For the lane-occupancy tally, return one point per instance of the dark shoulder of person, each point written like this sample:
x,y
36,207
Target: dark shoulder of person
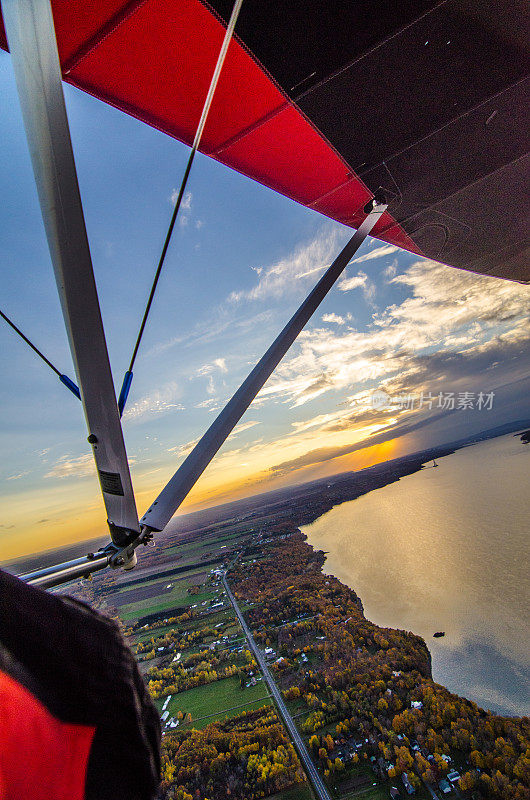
x,y
75,662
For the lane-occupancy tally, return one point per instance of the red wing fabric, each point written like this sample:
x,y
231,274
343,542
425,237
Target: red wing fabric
x,y
326,101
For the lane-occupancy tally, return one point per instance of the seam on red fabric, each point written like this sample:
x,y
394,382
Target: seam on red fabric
x,y
104,31
292,103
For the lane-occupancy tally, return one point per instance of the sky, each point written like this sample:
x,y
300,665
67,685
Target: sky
x,y
241,260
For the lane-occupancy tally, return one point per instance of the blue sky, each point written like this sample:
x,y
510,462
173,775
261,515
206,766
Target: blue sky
x,y
241,260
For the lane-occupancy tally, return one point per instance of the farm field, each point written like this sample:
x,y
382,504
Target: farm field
x,y
175,598
301,792
215,700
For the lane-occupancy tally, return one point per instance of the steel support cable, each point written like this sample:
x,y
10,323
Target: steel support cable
x,y
65,380
127,380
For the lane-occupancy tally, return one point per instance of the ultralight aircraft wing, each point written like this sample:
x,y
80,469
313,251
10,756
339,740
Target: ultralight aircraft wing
x,y
326,101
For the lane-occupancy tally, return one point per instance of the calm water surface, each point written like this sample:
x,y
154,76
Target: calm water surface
x,y
447,549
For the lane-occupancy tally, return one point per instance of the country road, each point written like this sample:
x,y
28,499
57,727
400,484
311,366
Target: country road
x,y
310,769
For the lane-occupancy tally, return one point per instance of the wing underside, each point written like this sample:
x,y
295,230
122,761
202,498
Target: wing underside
x,y
326,102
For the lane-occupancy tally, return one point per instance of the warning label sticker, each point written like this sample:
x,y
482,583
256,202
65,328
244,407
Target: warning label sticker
x,y
110,482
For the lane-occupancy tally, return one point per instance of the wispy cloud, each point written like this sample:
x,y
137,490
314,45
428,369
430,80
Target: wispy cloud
x,y
220,321
359,281
156,402
291,272
336,318
18,476
244,426
218,364
185,206
185,449
346,284
379,252
68,466
182,450
208,403
390,271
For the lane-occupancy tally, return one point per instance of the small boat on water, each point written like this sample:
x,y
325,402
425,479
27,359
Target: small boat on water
x,y
438,634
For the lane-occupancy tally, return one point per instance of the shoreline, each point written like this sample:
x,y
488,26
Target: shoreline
x,y
187,524
466,660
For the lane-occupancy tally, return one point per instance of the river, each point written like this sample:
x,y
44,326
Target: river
x,y
447,549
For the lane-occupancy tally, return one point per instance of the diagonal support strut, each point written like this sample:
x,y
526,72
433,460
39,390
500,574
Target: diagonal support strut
x,y
170,498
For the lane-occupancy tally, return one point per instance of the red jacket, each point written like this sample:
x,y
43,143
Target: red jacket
x,y
76,721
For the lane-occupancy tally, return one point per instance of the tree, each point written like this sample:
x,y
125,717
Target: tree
x,y
467,781
414,780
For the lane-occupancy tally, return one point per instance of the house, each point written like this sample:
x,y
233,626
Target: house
x,y
445,787
453,776
407,784
416,704
394,793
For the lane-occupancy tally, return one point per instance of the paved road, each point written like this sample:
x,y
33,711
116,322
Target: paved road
x,y
311,771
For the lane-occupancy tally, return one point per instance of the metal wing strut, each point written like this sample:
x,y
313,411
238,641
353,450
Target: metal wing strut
x,y
31,36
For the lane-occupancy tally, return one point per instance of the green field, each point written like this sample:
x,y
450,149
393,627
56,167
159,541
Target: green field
x,y
302,792
381,792
378,792
216,699
178,597
187,575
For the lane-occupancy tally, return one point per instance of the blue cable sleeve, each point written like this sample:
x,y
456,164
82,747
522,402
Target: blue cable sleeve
x,y
70,385
126,385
